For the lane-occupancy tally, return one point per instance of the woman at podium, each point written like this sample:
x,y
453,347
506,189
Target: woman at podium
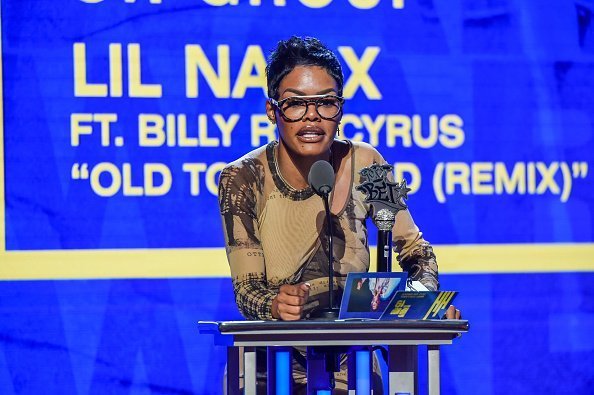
x,y
274,223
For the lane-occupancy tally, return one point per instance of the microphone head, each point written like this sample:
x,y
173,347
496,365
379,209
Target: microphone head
x,y
321,177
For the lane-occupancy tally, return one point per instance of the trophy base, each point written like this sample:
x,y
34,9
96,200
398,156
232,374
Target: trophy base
x,y
327,314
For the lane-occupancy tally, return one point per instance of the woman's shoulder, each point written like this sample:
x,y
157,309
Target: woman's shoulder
x,y
366,154
258,154
250,166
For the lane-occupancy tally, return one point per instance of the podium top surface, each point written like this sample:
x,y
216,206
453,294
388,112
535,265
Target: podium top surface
x,y
338,332
339,325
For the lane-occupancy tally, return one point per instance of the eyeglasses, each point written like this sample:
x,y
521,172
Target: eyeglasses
x,y
294,108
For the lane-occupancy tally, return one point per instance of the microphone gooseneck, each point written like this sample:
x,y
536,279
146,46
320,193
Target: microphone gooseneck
x,y
321,179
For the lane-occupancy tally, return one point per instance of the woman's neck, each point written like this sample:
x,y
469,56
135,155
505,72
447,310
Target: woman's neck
x,y
295,168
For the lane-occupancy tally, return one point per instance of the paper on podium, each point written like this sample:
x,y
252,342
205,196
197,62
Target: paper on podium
x,y
390,296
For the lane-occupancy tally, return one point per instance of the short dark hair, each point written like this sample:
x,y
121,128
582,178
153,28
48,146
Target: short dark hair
x,y
298,51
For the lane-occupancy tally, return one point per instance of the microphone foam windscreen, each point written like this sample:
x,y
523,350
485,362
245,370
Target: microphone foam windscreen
x,y
321,177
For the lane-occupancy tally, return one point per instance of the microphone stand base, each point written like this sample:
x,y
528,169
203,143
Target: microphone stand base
x,y
327,314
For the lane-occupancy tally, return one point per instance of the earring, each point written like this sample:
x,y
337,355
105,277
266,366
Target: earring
x,y
272,121
338,130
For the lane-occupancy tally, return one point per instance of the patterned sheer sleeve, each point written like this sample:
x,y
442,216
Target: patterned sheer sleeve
x,y
240,186
415,254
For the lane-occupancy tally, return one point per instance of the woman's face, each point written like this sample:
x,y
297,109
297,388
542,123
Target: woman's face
x,y
311,136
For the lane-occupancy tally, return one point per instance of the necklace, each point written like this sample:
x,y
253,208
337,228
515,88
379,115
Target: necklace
x,y
281,183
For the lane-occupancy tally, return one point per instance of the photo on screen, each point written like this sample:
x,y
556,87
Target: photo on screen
x,y
367,295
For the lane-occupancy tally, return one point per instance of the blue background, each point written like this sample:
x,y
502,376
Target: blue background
x,y
530,334
518,73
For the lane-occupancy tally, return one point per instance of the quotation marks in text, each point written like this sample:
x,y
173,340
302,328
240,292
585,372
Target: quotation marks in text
x,y
107,179
80,171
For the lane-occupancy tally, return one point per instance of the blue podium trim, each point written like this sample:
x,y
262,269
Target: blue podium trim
x,y
283,372
363,366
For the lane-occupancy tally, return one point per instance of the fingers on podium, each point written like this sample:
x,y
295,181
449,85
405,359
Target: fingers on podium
x,y
296,290
304,287
289,313
291,310
292,300
452,313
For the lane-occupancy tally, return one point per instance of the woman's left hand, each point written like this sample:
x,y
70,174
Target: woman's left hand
x,y
452,313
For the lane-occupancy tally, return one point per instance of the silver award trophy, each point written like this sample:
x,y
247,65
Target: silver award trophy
x,y
386,198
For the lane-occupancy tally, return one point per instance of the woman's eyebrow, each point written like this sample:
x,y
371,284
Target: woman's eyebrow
x,y
323,92
301,93
296,91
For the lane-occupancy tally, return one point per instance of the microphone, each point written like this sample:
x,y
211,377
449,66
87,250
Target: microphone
x,y
384,220
321,179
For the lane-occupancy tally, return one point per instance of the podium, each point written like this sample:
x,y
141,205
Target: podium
x,y
326,338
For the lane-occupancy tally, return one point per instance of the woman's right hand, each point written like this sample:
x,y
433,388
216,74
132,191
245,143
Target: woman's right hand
x,y
288,304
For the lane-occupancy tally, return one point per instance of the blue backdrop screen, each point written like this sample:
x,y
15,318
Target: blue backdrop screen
x,y
120,115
